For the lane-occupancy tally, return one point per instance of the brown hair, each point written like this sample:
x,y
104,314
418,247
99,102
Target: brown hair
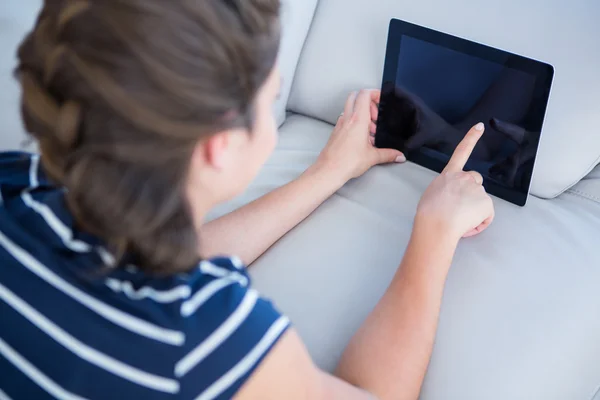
x,y
117,94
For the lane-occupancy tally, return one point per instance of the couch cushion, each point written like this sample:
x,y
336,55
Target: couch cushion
x,y
346,47
300,141
16,18
296,17
588,187
520,312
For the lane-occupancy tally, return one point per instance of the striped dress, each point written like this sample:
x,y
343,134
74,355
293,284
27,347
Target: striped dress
x,y
70,330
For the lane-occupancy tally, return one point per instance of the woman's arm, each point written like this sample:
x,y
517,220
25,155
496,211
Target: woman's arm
x,y
249,231
390,353
388,357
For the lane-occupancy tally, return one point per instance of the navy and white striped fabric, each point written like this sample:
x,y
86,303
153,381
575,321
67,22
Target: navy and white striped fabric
x,y
71,330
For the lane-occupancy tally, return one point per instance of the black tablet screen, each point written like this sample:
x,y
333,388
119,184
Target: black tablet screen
x,y
435,90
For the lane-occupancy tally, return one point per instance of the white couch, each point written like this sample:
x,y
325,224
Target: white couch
x,y
521,311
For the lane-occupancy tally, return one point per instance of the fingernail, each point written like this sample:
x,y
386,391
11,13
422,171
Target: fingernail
x,y
479,126
401,158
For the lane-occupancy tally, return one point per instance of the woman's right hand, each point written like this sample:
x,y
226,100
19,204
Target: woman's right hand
x,y
456,202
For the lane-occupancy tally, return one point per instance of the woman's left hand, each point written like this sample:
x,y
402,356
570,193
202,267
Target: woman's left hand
x,y
350,150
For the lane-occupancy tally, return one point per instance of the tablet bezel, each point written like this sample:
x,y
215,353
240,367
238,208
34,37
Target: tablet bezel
x,y
543,72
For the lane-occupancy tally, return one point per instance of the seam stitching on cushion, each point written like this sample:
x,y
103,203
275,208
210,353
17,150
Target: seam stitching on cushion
x,y
589,169
583,195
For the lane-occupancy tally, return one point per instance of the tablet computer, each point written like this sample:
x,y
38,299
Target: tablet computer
x,y
437,86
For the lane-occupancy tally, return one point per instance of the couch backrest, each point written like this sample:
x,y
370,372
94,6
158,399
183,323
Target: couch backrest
x,y
296,17
345,51
16,18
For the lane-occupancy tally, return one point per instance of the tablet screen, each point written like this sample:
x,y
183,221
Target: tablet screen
x,y
436,87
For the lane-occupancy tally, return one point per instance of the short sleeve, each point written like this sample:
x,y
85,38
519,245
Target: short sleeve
x,y
14,173
229,329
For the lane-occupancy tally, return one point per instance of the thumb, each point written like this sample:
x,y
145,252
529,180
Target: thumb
x,y
389,156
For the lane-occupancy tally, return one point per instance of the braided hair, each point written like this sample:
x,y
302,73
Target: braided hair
x,y
118,92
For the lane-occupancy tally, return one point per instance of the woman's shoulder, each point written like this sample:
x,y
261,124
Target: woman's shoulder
x,y
227,326
186,292
230,327
15,169
201,333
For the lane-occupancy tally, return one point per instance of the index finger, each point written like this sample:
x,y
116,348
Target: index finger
x,y
464,149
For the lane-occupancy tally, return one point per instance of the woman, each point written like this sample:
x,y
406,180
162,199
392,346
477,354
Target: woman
x,y
147,114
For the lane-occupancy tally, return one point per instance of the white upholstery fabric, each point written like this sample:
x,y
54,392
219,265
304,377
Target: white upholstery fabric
x,y
520,312
589,187
16,18
346,47
296,17
300,142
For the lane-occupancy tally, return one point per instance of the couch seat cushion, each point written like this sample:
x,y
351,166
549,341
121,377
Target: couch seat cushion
x,y
520,313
